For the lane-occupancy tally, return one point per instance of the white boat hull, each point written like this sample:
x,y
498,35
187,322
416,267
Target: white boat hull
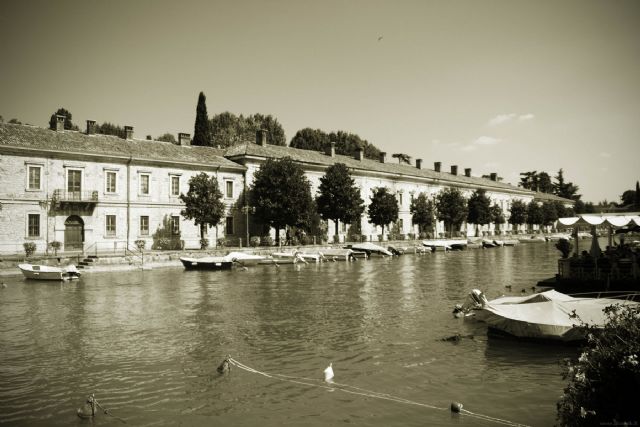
x,y
45,272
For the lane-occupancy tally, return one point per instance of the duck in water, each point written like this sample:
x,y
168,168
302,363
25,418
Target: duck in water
x,y
88,410
225,366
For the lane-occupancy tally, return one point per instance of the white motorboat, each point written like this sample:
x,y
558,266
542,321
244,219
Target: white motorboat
x,y
207,263
547,315
337,254
46,272
532,239
245,259
292,257
370,249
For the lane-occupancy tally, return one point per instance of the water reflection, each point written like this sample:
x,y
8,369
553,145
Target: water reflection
x,y
148,343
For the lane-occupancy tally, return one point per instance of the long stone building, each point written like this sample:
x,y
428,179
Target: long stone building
x,y
97,192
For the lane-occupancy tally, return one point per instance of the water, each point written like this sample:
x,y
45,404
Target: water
x,y
148,344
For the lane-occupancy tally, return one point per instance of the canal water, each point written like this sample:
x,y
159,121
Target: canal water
x,y
147,343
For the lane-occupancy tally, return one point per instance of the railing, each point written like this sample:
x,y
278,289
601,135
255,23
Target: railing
x,y
89,196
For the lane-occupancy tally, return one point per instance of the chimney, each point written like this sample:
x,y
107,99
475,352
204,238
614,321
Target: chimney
x,y
493,176
418,163
436,166
359,152
467,172
331,149
383,156
261,137
60,122
91,127
454,170
128,132
184,138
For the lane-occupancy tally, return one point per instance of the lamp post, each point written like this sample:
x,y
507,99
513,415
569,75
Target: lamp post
x,y
247,210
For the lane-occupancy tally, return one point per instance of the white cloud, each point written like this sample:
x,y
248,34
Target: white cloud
x,y
486,140
508,117
605,154
502,118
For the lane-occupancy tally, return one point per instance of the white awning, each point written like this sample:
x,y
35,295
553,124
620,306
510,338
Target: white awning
x,y
610,220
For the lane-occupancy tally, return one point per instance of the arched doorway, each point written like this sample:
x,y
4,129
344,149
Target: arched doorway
x,y
73,233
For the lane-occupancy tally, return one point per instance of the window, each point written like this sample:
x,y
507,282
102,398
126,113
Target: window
x,y
144,225
110,182
175,224
400,224
175,185
74,184
344,227
110,225
33,229
34,173
228,229
400,199
144,183
229,189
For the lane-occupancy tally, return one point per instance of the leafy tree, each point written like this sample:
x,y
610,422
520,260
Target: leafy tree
x,y
534,214
579,207
517,213
15,121
479,209
423,213
167,137
227,129
202,128
544,183
549,213
565,189
529,180
604,381
339,198
310,139
497,216
281,194
451,207
561,211
203,202
68,124
383,208
588,208
107,128
275,135
402,158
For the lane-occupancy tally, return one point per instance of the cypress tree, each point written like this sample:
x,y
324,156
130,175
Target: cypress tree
x,y
202,128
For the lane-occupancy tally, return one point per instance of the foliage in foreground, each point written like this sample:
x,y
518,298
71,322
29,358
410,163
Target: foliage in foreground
x,y
604,382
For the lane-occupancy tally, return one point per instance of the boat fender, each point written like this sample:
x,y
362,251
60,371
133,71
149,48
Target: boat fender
x,y
328,373
456,407
88,410
225,366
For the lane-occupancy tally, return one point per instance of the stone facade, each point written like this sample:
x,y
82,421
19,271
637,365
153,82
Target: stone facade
x,y
95,192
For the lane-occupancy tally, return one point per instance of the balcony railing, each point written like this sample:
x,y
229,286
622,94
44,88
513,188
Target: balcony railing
x,y
64,196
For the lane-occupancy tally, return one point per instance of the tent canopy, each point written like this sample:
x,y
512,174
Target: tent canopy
x,y
604,219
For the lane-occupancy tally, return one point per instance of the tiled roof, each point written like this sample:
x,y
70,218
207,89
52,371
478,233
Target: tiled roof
x,y
548,196
366,165
32,137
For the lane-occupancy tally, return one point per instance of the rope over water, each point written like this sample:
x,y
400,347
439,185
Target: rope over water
x,y
345,388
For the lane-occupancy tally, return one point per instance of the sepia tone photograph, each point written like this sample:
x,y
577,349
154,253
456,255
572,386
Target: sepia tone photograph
x,y
302,213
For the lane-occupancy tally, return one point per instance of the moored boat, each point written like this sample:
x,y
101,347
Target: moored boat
x,y
46,272
207,263
370,249
548,315
445,244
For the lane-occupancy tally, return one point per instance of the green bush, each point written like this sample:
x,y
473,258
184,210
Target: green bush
x,y
604,381
140,244
266,241
55,246
255,241
29,248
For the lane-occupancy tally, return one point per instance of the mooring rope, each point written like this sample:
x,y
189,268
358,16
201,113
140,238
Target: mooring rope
x,y
345,388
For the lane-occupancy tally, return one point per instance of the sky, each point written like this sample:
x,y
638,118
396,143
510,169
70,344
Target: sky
x,y
495,86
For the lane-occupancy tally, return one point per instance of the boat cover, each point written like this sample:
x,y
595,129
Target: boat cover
x,y
549,314
368,246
